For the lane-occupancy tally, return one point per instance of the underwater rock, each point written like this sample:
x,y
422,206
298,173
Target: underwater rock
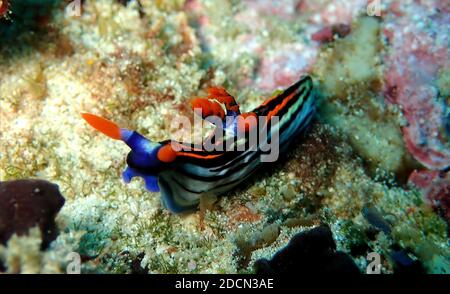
x,y
313,251
27,203
136,267
403,264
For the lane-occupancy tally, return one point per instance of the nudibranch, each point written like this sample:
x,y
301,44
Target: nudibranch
x,y
183,173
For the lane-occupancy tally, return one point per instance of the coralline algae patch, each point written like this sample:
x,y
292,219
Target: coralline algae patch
x,y
139,65
418,59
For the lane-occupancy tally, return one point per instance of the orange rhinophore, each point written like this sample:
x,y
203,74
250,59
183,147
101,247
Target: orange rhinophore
x,y
221,95
208,108
212,104
103,125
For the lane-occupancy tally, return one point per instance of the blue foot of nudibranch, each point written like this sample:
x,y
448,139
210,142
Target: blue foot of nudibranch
x,y
128,174
151,182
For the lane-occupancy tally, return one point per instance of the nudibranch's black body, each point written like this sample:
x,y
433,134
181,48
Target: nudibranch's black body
x,y
183,176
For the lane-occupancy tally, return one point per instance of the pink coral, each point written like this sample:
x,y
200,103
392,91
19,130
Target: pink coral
x,y
418,54
417,36
281,68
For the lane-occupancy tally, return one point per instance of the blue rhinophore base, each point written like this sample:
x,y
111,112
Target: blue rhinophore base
x,y
151,181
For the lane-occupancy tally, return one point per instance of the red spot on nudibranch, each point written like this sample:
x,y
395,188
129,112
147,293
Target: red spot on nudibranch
x,y
103,125
167,154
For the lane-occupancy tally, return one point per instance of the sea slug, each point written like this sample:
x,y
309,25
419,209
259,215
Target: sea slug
x,y
183,172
